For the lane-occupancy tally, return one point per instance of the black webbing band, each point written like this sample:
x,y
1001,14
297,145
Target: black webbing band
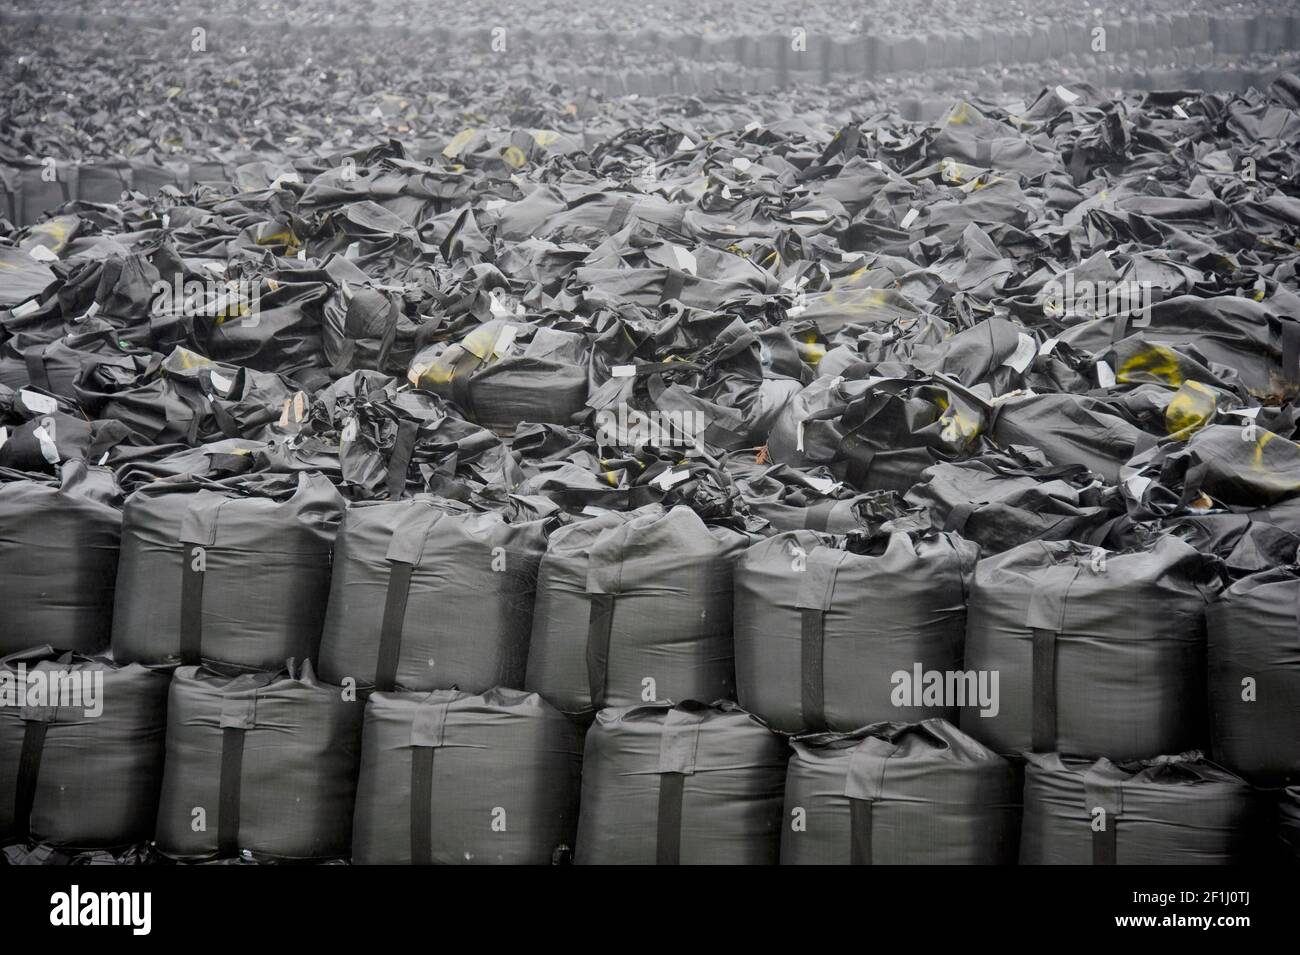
x,y
1104,848
29,768
598,629
400,460
390,633
232,768
860,831
1291,351
674,282
668,837
191,635
1044,691
812,688
422,805
36,371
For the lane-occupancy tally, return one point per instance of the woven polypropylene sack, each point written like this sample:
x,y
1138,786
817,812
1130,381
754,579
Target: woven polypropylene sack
x,y
451,778
1096,652
262,569
264,763
898,793
688,784
1253,659
429,595
633,608
1175,810
99,757
58,562
821,631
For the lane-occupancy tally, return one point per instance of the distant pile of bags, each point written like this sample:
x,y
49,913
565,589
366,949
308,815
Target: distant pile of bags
x,y
696,495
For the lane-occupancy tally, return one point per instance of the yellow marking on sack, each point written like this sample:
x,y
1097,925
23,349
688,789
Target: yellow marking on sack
x,y
1190,410
458,142
1155,363
514,157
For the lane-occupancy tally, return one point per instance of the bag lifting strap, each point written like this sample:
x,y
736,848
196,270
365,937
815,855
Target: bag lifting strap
x,y
198,533
864,784
37,720
1104,789
238,715
37,373
1291,351
679,746
428,732
1044,692
599,623
816,593
404,551
674,283
1045,619
399,461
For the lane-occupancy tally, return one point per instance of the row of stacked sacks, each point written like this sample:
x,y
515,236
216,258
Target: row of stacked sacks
x,y
870,48
211,765
1057,649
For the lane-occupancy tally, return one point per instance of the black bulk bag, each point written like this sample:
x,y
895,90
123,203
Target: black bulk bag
x,y
264,763
428,594
1289,823
58,559
899,794
689,784
449,778
498,382
1171,810
633,608
823,624
1097,652
225,575
84,773
1253,658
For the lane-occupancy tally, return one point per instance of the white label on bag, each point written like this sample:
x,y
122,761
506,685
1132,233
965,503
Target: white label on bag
x,y
685,145
1251,413
1137,485
25,309
103,459
1066,95
685,259
353,251
1025,351
92,311
41,404
42,254
48,449
4,436
798,437
220,382
1180,112
1105,375
909,219
825,485
671,478
741,164
506,340
1048,346
623,371
302,255
349,431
